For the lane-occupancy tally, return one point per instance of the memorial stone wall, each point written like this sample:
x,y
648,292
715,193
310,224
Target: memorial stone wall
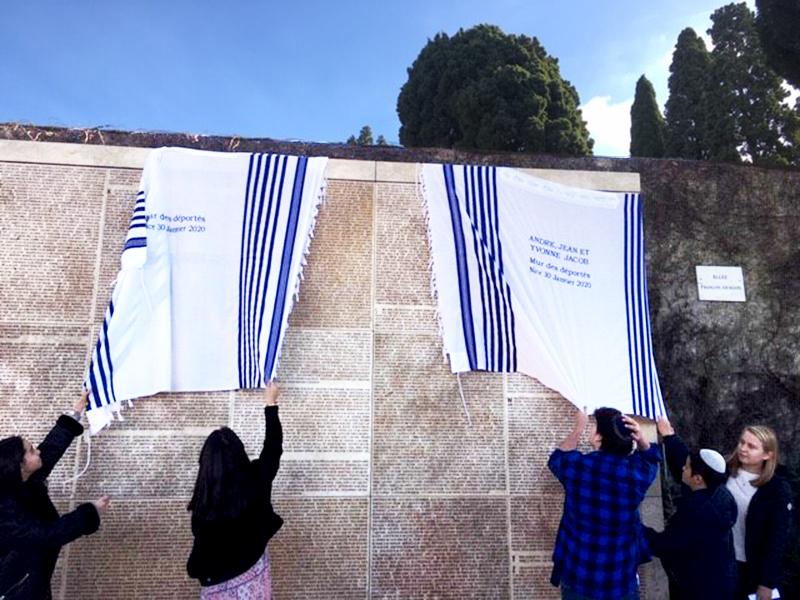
x,y
389,486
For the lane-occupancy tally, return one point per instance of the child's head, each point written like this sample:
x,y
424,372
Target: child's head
x,y
704,469
611,434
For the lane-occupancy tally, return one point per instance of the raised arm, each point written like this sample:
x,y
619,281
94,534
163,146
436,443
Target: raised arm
x,y
571,441
270,457
675,449
66,429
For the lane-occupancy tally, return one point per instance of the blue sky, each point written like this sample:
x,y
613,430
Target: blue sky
x,y
314,71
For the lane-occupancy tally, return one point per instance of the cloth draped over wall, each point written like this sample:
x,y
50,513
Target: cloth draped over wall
x,y
543,279
210,269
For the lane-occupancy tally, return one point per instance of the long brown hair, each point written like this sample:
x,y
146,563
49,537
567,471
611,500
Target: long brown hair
x,y
769,441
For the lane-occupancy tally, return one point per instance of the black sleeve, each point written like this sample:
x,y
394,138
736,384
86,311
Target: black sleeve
x,y
679,535
56,443
28,532
270,458
778,524
676,452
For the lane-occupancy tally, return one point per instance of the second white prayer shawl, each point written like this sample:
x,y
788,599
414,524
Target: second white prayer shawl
x,y
543,279
210,268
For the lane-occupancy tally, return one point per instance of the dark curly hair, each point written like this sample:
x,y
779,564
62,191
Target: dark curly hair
x,y
616,437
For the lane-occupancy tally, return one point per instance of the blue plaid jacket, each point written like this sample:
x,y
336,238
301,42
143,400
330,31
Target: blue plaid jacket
x,y
600,541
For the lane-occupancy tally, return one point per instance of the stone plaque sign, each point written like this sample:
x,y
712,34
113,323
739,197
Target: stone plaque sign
x,y
724,284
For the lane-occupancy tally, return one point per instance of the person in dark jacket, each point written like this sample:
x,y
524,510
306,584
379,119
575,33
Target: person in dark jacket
x,y
696,547
232,514
764,499
31,530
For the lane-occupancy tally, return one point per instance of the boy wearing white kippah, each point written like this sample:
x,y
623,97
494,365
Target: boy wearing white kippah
x,y
696,548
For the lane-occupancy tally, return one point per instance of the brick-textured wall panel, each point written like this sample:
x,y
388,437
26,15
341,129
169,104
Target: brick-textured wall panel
x,y
321,551
322,477
523,385
133,466
139,552
38,381
536,426
175,412
402,256
49,227
313,355
423,443
337,281
534,522
313,420
443,548
406,319
533,583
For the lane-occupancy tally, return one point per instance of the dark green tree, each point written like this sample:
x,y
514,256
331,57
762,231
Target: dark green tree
x,y
647,124
745,116
483,89
778,25
365,138
683,112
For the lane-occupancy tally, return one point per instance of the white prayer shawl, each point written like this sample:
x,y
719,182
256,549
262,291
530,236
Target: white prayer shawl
x,y
211,265
543,279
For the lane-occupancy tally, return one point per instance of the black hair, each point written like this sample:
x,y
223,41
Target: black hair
x,y
12,453
699,467
615,436
224,485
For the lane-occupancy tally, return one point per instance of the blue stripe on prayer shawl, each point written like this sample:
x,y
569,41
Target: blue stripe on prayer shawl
x,y
642,353
653,410
135,242
511,359
488,270
283,281
106,344
242,282
461,263
511,344
277,197
254,295
626,270
496,281
471,208
634,325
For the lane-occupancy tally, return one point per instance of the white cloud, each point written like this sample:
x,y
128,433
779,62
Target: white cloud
x,y
609,124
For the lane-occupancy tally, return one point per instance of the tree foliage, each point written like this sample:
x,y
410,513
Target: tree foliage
x,y
778,25
365,138
483,89
744,111
688,81
647,124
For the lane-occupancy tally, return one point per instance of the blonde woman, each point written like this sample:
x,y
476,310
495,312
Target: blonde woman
x,y
764,501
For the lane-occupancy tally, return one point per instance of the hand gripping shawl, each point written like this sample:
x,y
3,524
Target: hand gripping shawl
x,y
209,272
543,279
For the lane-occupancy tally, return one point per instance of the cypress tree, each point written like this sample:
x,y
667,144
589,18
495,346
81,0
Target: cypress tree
x,y
688,80
647,124
745,116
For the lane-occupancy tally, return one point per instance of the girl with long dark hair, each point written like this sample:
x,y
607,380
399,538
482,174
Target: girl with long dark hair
x,y
232,514
31,530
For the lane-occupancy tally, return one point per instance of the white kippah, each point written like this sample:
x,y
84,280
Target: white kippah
x,y
713,459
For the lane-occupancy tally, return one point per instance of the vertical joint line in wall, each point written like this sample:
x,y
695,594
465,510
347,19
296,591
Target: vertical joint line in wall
x,y
373,302
231,407
506,428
